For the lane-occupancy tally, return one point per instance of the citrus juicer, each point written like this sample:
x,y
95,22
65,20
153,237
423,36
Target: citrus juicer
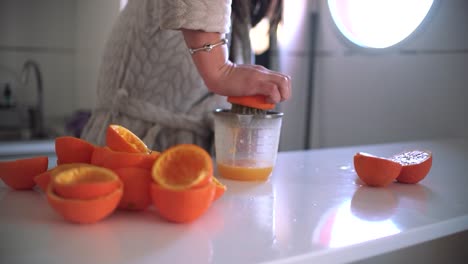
x,y
247,139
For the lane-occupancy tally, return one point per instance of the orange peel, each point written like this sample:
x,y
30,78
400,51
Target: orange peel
x,y
19,174
376,171
84,211
84,182
73,150
182,206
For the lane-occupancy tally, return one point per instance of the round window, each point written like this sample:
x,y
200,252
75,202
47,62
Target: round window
x,y
378,23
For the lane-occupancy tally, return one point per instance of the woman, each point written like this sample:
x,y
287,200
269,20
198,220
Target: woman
x,y
157,80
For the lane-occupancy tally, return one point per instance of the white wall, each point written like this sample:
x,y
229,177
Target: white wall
x,y
416,90
66,38
45,32
94,23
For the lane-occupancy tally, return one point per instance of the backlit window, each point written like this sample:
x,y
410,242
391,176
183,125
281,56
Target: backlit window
x,y
378,23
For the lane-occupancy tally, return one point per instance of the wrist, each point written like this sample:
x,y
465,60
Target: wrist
x,y
210,64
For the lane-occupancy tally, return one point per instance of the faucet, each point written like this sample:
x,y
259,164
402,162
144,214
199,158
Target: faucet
x,y
37,113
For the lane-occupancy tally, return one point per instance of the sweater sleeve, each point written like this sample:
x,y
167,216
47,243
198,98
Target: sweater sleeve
x,y
206,15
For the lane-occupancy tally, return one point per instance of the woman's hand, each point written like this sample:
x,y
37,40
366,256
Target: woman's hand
x,y
245,79
223,77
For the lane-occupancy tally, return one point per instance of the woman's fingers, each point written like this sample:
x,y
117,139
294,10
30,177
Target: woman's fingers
x,y
271,91
281,85
248,79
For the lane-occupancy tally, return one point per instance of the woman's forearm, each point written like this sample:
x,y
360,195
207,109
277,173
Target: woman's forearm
x,y
226,78
209,64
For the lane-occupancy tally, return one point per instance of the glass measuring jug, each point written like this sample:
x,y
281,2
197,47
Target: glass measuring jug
x,y
246,146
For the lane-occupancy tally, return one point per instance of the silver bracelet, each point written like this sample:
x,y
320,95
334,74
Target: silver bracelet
x,y
209,47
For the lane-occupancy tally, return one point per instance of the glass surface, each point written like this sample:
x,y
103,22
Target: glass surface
x,y
246,146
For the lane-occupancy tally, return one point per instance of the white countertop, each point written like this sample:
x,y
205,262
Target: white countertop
x,y
313,209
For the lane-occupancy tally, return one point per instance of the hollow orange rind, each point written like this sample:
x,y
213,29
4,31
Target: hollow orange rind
x,y
416,164
84,182
19,174
73,150
183,166
84,211
376,171
182,206
119,138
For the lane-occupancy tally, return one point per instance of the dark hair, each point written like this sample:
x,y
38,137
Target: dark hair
x,y
252,11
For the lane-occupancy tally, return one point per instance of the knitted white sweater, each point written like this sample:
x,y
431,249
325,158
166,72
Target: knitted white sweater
x,y
148,82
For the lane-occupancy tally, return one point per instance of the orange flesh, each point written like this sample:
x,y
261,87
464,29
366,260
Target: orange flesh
x,y
119,138
183,166
416,164
84,182
132,140
244,172
184,170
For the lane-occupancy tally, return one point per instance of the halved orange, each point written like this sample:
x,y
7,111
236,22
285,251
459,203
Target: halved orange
x,y
19,174
376,171
120,138
220,189
136,184
183,166
62,167
416,164
254,101
43,179
84,182
71,150
84,211
182,206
